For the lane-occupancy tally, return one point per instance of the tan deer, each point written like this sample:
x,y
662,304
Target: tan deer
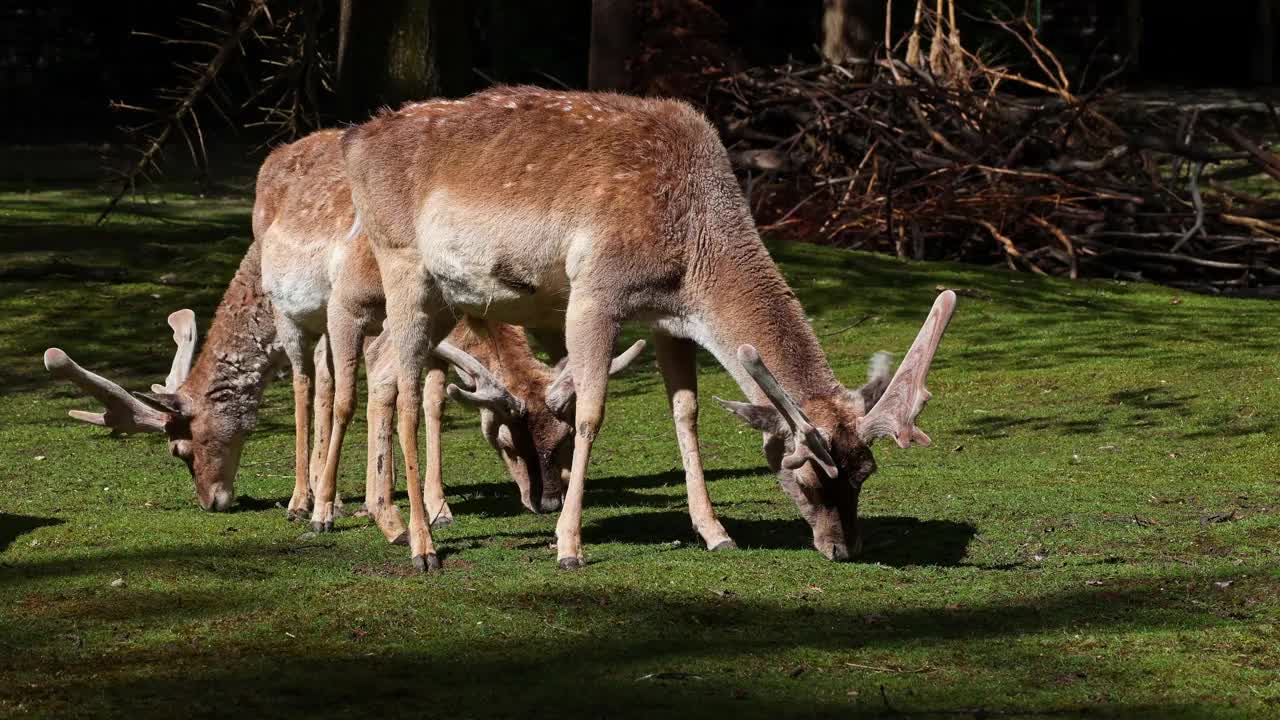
x,y
304,276
583,210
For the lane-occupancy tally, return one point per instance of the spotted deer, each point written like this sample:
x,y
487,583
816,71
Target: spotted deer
x,y
304,278
579,211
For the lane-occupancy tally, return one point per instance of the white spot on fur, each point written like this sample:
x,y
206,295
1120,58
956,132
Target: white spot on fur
x,y
510,106
530,167
507,184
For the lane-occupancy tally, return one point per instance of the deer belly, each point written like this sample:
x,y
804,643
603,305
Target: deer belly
x,y
494,270
295,276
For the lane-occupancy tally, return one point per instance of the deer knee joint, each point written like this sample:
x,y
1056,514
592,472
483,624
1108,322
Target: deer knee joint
x,y
684,408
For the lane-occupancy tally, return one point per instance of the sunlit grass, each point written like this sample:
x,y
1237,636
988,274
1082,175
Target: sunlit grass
x,y
1095,529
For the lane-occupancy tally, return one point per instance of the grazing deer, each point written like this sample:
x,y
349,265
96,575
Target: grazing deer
x,y
583,210
304,276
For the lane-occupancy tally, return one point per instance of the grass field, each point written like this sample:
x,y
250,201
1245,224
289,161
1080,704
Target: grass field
x,y
1095,531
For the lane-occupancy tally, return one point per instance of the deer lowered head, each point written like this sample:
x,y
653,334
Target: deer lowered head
x,y
208,403
211,454
821,447
526,407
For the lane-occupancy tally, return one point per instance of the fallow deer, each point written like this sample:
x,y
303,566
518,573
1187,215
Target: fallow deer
x,y
583,210
301,277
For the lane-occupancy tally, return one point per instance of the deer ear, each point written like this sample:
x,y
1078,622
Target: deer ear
x,y
879,371
764,418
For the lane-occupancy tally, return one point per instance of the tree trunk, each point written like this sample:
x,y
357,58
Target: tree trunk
x,y
612,41
1264,43
1133,32
394,51
848,37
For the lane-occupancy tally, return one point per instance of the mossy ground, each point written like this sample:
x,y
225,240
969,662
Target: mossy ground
x,y
1095,531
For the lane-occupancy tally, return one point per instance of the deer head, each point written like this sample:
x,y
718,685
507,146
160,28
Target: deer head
x,y
821,447
198,436
533,432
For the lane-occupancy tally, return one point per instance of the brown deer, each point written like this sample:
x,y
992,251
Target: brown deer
x,y
304,276
583,210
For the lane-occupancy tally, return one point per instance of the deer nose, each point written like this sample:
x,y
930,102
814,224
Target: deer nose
x,y
836,552
550,503
220,501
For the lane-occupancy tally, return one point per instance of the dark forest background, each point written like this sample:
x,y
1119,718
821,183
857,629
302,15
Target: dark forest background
x,y
63,61
1129,138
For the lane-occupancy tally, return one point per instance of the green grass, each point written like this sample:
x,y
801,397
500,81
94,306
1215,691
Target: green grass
x,y
1055,552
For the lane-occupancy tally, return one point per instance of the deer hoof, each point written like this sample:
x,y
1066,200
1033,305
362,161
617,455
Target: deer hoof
x,y
321,527
401,539
426,563
295,515
571,563
725,545
442,521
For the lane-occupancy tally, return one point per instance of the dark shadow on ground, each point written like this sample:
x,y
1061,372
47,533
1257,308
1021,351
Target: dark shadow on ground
x,y
887,540
601,664
14,526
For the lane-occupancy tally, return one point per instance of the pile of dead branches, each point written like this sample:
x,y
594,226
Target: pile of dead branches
x,y
946,155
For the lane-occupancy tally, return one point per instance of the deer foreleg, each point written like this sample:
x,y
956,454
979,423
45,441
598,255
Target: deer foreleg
x,y
303,387
322,406
590,330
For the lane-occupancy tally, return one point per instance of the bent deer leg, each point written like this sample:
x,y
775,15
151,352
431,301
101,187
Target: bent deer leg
x,y
677,359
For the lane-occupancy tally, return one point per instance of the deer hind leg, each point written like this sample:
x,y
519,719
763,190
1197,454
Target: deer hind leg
x,y
303,387
344,338
323,411
380,470
677,359
590,331
416,317
438,511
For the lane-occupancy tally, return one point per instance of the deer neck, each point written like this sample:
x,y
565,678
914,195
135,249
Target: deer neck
x,y
240,352
749,302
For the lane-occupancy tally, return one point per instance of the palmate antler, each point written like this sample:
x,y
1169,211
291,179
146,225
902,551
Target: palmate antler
x,y
127,413
183,323
809,445
897,401
895,414
487,392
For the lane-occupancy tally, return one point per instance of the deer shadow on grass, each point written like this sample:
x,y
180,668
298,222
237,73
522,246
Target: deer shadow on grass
x,y
605,653
499,499
13,527
891,540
